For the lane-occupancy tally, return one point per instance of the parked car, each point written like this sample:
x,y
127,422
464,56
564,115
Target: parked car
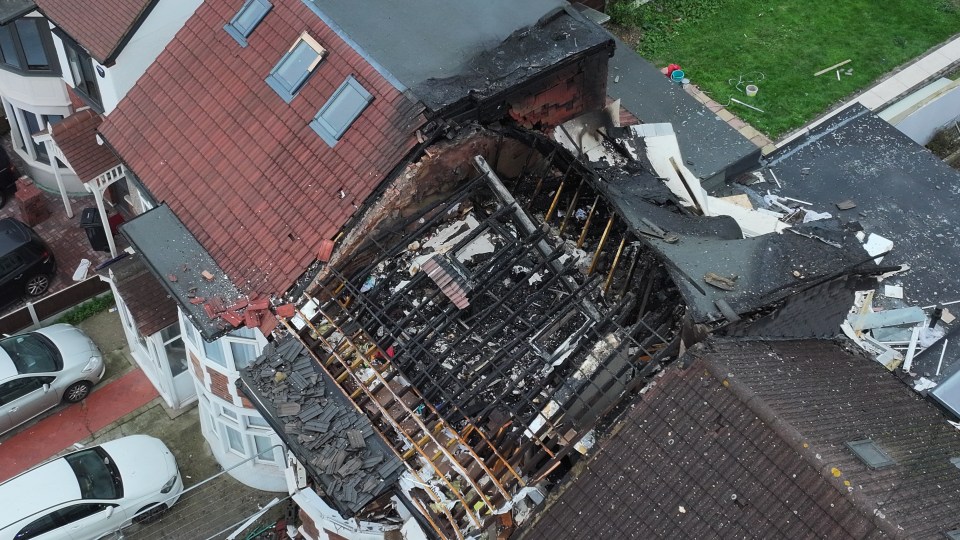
x,y
91,493
40,369
26,263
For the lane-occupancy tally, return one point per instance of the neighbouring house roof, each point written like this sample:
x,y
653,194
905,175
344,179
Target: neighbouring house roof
x,y
14,9
178,261
259,189
102,27
711,146
430,39
901,191
149,302
76,135
749,439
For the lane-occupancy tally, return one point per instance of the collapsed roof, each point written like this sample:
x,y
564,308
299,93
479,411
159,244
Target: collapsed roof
x,y
488,325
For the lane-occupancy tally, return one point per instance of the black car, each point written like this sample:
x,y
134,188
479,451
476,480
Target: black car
x,y
26,262
8,177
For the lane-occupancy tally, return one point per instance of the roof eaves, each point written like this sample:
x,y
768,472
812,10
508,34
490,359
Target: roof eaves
x,y
128,35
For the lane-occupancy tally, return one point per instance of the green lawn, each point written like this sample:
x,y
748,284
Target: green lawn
x,y
787,41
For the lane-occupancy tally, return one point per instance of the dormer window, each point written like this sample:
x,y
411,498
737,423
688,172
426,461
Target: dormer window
x,y
292,71
249,16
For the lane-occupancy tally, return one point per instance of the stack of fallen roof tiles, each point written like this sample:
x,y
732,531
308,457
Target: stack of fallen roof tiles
x,y
348,459
451,281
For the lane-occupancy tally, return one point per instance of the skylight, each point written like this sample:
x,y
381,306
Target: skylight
x,y
340,111
295,67
249,16
870,454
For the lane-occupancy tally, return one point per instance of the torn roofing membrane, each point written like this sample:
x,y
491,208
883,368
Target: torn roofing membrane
x,y
178,262
699,248
524,53
430,38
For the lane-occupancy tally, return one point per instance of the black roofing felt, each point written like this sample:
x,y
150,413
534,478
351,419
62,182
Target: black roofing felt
x,y
526,52
816,312
709,145
766,268
178,259
430,38
14,9
338,445
901,190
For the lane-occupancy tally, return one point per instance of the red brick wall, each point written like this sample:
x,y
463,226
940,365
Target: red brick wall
x,y
219,385
575,89
309,527
195,365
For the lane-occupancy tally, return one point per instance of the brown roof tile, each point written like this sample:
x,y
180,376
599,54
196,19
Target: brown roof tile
x,y
241,168
101,27
771,436
76,135
152,308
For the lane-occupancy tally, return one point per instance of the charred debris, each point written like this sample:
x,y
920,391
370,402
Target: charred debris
x,y
491,329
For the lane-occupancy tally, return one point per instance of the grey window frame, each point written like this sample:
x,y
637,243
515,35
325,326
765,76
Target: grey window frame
x,y
241,34
87,72
330,133
855,447
287,93
52,67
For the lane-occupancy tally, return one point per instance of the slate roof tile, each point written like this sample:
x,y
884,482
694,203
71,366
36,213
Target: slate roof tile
x,y
821,396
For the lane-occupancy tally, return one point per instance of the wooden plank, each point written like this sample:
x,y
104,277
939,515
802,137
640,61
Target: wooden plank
x,y
831,68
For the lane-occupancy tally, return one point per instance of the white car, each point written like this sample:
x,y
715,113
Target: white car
x,y
40,369
91,493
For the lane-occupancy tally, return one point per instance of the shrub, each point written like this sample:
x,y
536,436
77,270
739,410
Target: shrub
x,y
88,309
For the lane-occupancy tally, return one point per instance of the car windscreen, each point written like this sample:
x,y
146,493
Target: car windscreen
x,y
96,473
32,353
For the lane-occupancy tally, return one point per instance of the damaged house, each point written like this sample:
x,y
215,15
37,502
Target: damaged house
x,y
420,266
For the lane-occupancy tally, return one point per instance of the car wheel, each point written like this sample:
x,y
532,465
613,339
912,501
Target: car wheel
x,y
149,515
38,285
77,391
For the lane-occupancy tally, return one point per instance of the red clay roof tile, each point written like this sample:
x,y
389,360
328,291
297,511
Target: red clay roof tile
x,y
206,90
76,135
99,26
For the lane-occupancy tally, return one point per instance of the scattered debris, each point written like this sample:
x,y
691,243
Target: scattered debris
x,y
207,275
720,282
846,205
893,291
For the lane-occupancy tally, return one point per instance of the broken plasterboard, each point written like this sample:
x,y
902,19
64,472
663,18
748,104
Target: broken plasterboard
x,y
741,200
875,245
893,291
663,152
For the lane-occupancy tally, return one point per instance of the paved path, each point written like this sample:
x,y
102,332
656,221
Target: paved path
x,y
73,423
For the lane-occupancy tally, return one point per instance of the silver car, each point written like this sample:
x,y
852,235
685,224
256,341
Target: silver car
x,y
40,369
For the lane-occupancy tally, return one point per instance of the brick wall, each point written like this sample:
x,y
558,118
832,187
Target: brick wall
x,y
220,385
563,95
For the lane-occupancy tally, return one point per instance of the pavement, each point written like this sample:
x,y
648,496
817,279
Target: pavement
x,y
125,403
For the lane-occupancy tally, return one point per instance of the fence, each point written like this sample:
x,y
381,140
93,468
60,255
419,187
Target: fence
x,y
33,313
